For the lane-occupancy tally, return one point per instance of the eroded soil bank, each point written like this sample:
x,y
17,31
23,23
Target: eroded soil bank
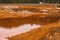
x,y
33,19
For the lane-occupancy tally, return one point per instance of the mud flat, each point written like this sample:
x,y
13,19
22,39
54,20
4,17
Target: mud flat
x,y
24,24
15,21
46,32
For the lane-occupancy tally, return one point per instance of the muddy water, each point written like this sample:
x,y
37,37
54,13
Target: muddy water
x,y
13,26
5,32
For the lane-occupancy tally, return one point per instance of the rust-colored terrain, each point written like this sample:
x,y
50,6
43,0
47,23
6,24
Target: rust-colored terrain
x,y
46,32
46,15
31,14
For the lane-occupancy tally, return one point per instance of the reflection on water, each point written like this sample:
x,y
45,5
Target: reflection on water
x,y
4,32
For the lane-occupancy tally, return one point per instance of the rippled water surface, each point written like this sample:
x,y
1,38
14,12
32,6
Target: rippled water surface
x,y
6,32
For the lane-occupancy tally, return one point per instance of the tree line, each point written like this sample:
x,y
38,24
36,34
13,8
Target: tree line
x,y
29,1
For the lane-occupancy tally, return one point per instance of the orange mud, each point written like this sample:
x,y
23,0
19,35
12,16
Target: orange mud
x,y
46,32
49,22
33,19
